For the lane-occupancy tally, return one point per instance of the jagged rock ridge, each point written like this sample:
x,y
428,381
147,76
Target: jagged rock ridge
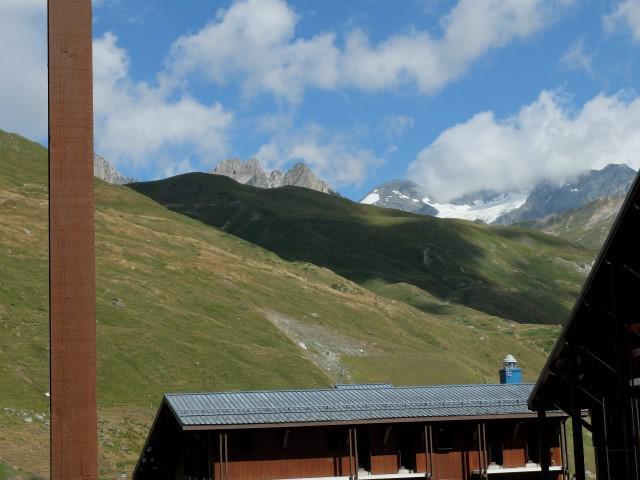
x,y
103,170
252,173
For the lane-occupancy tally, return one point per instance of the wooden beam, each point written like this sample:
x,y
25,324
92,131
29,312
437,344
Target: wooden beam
x,y
74,438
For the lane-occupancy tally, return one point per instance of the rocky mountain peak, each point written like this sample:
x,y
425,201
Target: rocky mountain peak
x,y
301,176
252,173
241,172
401,195
104,170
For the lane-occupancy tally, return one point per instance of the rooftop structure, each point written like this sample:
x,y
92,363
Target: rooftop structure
x,y
510,373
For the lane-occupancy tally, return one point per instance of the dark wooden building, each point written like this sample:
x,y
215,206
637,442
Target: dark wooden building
x,y
374,431
595,365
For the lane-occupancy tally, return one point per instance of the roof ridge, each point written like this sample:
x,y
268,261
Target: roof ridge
x,y
361,385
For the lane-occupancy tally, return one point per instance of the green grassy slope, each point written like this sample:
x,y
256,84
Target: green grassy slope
x,y
587,226
182,306
518,274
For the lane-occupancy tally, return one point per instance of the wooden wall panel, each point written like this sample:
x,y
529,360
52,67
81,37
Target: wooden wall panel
x,y
421,462
384,456
514,443
303,452
321,451
449,465
452,444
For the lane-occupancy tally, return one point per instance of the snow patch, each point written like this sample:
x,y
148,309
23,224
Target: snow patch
x,y
486,211
401,195
370,199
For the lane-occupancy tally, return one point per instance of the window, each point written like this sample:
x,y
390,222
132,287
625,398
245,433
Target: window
x,y
444,440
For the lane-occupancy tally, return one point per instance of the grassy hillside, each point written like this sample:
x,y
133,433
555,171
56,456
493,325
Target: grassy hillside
x,y
587,226
514,273
182,306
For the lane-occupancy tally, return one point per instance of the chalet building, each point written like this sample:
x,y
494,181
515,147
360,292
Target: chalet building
x,y
595,365
372,431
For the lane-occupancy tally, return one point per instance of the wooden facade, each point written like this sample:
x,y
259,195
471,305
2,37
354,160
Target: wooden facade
x,y
445,449
595,364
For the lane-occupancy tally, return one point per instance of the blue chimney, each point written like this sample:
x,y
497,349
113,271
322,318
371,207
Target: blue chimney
x,y
510,373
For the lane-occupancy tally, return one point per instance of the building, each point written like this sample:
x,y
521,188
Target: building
x,y
595,365
372,431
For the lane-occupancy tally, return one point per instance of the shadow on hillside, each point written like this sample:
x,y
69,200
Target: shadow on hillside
x,y
361,243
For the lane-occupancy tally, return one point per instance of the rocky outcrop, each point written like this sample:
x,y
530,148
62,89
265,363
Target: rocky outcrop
x,y
252,173
301,176
103,170
242,172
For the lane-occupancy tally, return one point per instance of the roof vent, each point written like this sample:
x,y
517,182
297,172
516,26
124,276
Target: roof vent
x,y
510,373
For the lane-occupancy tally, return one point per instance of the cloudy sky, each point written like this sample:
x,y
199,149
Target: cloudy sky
x,y
457,95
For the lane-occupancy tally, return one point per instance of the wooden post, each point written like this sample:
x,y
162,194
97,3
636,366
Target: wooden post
x,y
355,452
543,440
74,437
350,453
433,466
576,417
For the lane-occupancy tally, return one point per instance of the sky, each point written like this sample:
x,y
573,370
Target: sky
x,y
455,95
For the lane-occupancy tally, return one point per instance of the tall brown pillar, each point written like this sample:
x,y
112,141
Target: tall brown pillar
x,y
71,243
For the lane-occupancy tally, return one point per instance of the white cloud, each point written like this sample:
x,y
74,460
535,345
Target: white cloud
x,y
23,67
576,58
625,15
333,157
394,126
544,140
470,30
135,122
255,41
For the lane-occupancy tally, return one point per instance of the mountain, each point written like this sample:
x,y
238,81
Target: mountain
x,y
252,173
408,196
104,170
185,306
548,198
517,274
401,195
588,225
506,208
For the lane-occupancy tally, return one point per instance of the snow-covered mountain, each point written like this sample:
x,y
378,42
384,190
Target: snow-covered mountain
x,y
401,195
507,208
405,195
547,198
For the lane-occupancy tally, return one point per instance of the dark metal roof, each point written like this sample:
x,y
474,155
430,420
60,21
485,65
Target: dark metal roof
x,y
348,404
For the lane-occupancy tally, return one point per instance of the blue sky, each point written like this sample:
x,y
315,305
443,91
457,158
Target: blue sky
x,y
456,95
